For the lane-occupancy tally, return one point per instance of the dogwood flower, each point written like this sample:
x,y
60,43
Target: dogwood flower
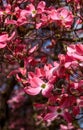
x,y
31,10
62,16
41,7
37,85
57,111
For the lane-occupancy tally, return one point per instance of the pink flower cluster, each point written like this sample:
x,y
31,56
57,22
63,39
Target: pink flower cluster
x,y
40,15
4,39
56,76
61,84
41,81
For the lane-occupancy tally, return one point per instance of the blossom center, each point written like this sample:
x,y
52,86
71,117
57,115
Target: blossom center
x,y
43,86
62,18
34,12
59,110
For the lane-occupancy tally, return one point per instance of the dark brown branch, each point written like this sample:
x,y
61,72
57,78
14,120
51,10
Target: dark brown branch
x,y
71,39
4,96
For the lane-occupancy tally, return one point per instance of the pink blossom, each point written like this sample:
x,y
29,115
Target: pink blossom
x,y
40,72
31,10
41,7
76,88
37,85
21,21
55,112
75,51
54,14
23,13
50,72
62,16
2,45
3,40
67,61
22,17
3,37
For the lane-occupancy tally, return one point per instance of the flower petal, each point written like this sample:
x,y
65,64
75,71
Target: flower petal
x,y
32,91
36,82
3,38
47,91
50,116
2,45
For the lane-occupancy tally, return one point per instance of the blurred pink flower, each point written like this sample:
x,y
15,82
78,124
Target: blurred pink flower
x,y
37,85
4,38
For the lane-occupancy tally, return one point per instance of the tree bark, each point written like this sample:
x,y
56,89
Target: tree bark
x,y
4,96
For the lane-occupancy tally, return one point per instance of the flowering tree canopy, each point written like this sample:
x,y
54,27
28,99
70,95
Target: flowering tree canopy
x,y
41,64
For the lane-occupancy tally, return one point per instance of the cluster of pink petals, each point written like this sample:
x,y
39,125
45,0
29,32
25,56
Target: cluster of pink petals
x,y
41,14
76,52
23,15
37,85
33,11
37,81
45,79
57,111
74,56
4,38
63,17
